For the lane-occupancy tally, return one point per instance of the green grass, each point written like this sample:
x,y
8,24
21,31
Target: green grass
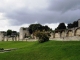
x,y
52,50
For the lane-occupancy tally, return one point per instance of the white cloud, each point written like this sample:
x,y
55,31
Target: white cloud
x,y
5,24
21,13
16,28
52,25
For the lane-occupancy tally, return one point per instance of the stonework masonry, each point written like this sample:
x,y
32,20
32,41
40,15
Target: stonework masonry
x,y
24,33
72,34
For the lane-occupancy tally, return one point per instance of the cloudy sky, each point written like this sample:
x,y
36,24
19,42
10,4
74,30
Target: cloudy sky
x,y
21,13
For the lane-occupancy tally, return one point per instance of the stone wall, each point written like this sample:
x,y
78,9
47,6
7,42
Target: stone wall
x,y
24,32
64,35
69,34
57,35
1,36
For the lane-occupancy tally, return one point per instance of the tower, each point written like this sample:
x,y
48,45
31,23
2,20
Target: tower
x,y
78,22
23,32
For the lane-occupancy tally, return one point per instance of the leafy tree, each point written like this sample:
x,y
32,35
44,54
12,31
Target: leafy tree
x,y
61,26
46,28
74,24
42,36
14,33
70,25
9,32
36,27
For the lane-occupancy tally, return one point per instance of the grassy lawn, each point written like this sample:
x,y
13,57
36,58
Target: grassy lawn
x,y
52,50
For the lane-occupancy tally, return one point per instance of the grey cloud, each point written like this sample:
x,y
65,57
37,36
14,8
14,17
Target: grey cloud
x,y
30,17
64,5
53,14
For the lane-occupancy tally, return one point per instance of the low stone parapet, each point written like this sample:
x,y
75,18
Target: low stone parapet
x,y
74,38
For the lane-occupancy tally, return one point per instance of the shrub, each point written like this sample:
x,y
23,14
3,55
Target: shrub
x,y
42,36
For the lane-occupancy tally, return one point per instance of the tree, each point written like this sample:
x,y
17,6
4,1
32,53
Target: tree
x,y
14,33
9,32
61,26
34,27
46,28
70,25
42,36
73,25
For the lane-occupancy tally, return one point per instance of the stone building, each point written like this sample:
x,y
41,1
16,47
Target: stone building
x,y
24,33
68,34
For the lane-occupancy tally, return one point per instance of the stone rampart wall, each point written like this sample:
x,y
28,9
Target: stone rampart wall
x,y
67,35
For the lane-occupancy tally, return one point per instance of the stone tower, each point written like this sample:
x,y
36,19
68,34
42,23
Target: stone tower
x,y
24,32
78,22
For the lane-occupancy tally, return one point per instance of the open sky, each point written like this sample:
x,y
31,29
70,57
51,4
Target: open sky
x,y
21,13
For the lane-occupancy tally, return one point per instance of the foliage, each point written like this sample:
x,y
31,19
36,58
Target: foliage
x,y
9,32
75,24
42,36
61,26
36,27
14,33
72,25
46,28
